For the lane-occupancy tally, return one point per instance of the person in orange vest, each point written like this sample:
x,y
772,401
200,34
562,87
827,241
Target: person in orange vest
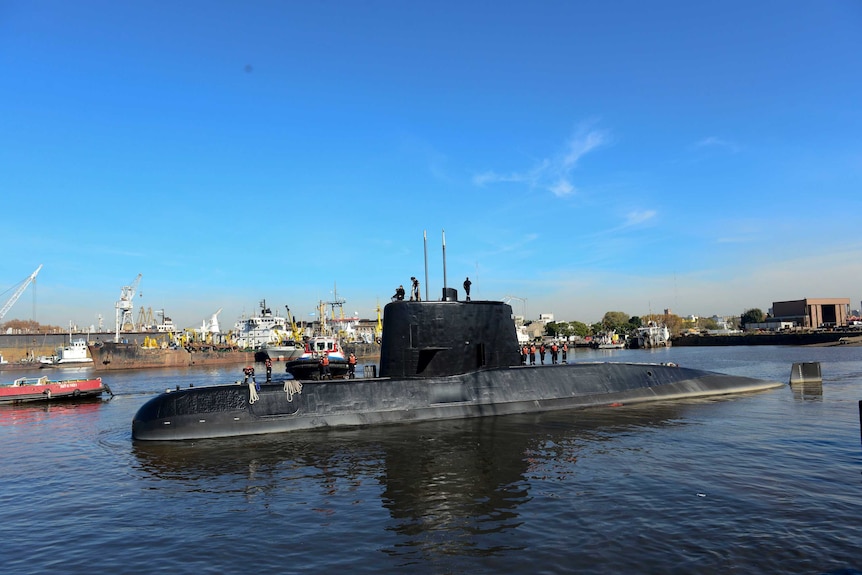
x,y
524,352
351,366
533,354
542,353
565,351
324,364
554,352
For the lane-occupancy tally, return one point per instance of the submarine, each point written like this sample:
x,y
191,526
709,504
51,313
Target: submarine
x,y
445,359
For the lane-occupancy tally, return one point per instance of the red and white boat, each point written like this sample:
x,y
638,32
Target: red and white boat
x,y
44,389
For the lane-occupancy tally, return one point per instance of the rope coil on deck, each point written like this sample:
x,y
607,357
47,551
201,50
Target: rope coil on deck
x,y
291,387
252,392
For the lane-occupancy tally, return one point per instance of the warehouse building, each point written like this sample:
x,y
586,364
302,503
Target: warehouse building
x,y
813,312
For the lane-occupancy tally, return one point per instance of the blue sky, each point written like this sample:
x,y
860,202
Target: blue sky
x,y
582,157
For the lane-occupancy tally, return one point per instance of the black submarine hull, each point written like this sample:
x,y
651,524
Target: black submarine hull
x,y
221,411
439,360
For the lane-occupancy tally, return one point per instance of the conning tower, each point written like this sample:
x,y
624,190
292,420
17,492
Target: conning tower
x,y
440,338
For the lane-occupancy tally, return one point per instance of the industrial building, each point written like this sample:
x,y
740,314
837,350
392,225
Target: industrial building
x,y
813,312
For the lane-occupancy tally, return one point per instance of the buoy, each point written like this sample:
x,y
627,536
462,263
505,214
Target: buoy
x,y
806,372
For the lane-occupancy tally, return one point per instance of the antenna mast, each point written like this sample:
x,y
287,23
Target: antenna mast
x,y
444,261
425,245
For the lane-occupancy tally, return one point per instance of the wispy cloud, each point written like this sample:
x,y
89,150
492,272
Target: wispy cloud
x,y
739,231
735,240
494,177
632,220
516,244
562,188
637,218
713,142
553,174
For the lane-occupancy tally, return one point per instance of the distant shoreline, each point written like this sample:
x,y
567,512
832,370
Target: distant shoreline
x,y
819,339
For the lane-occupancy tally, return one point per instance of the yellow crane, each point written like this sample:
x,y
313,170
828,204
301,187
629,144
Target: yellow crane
x,y
296,333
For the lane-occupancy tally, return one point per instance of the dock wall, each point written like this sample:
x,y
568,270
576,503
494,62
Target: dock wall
x,y
800,338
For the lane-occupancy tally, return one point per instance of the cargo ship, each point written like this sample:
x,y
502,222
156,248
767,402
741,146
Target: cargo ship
x,y
439,360
111,355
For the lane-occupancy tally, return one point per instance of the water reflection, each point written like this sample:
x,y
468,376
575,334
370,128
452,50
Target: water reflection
x,y
12,414
807,391
445,485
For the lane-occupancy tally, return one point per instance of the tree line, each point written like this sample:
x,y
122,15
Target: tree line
x,y
28,326
622,323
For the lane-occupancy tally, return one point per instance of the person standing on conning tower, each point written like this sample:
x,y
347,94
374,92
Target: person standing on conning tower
x,y
414,295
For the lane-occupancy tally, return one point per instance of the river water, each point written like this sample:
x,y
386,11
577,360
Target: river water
x,y
760,483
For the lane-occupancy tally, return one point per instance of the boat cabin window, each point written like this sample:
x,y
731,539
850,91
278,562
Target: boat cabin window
x,y
324,345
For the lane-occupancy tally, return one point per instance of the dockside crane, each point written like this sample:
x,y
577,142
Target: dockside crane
x,y
146,319
124,307
8,305
295,332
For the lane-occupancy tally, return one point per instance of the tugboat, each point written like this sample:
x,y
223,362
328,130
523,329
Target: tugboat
x,y
310,364
439,360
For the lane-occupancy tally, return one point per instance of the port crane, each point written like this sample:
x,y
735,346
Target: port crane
x,y
146,319
295,332
8,305
124,307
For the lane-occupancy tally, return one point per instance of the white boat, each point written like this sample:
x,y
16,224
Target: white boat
x,y
259,330
74,355
284,351
652,335
609,340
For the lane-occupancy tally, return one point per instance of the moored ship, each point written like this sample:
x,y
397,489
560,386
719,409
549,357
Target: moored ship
x,y
269,335
72,355
163,347
111,355
651,336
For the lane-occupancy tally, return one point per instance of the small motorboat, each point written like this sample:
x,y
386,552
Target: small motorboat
x,y
44,389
